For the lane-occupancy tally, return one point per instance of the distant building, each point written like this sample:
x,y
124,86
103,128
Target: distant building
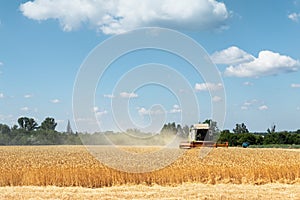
x,y
69,129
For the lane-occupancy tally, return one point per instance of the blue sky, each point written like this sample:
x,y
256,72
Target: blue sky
x,y
254,44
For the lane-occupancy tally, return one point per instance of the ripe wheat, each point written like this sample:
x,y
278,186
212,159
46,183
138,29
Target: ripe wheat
x,y
74,166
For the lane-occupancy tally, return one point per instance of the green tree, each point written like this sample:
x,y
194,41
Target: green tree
x,y
169,128
27,124
240,128
4,129
226,136
272,129
31,124
14,127
179,129
212,124
185,131
48,124
207,121
22,122
246,137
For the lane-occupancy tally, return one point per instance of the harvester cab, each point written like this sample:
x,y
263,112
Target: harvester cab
x,y
201,135
198,132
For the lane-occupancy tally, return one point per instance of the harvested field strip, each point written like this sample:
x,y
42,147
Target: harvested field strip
x,y
184,191
74,166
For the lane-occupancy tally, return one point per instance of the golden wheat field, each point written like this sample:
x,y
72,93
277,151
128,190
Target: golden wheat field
x,y
60,172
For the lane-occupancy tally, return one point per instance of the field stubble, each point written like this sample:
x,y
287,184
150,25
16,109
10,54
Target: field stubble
x,y
183,191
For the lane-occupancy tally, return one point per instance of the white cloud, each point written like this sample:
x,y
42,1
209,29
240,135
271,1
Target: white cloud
x,y
248,104
295,85
263,107
1,95
143,111
99,113
26,109
231,56
110,96
248,83
175,109
208,86
27,96
294,17
267,63
254,104
244,107
128,95
55,101
95,109
113,17
216,99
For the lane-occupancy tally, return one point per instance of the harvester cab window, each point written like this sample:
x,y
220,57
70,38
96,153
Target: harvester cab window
x,y
200,134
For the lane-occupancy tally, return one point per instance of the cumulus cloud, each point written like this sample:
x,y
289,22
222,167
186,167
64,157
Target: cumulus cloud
x,y
25,109
1,95
128,95
175,109
295,85
113,17
110,96
208,86
263,107
294,17
254,104
248,83
95,109
216,99
249,103
230,56
27,96
244,107
143,111
267,63
55,101
99,113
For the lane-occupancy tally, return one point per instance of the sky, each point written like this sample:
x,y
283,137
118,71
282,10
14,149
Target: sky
x,y
255,46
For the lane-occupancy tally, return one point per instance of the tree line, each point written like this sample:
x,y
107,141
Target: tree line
x,y
29,132
241,134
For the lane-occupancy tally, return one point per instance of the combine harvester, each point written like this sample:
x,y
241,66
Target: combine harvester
x,y
201,135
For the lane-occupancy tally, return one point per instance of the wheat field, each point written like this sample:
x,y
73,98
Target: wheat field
x,y
71,172
74,166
